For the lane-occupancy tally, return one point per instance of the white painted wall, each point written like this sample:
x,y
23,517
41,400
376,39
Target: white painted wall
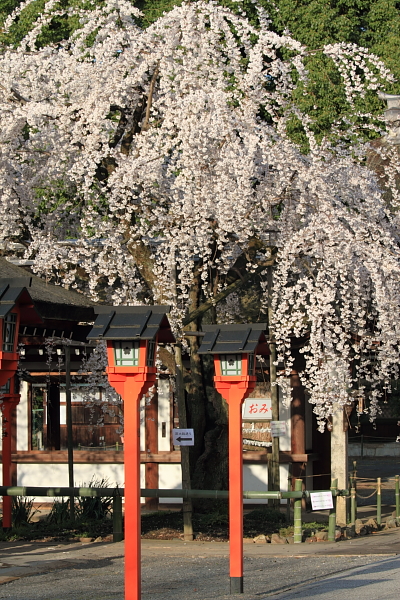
x,y
164,415
285,442
142,417
22,418
255,479
170,477
56,475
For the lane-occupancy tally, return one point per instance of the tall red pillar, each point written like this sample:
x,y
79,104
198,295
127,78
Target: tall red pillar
x,y
8,404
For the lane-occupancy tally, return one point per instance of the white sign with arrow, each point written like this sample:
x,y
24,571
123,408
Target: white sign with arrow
x,y
183,437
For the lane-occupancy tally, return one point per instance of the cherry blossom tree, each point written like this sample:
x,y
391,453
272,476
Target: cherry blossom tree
x,y
155,166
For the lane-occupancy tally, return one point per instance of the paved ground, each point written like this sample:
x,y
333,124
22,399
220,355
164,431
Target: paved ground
x,y
377,580
176,570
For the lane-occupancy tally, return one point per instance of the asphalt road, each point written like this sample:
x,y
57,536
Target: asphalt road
x,y
194,577
199,571
379,579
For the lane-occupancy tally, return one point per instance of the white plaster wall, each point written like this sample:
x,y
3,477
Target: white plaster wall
x,y
22,418
255,479
164,416
63,415
142,417
170,477
56,475
285,443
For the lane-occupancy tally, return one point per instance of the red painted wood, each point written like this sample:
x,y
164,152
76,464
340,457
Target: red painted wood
x,y
131,383
9,402
234,390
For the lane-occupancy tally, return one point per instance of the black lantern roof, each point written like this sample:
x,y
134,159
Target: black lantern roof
x,y
132,322
58,307
14,291
233,339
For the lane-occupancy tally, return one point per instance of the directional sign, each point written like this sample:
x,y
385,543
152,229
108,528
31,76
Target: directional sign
x,y
183,437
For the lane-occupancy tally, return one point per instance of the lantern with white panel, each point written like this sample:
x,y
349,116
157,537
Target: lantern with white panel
x,y
234,348
132,334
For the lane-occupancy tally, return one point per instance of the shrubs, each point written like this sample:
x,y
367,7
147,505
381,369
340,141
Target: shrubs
x,y
95,507
22,511
92,517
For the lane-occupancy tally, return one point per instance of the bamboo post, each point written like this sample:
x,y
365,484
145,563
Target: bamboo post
x,y
332,512
397,495
289,488
298,485
118,532
378,501
353,502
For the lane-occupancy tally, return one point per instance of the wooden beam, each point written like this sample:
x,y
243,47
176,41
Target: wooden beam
x,y
284,457
85,457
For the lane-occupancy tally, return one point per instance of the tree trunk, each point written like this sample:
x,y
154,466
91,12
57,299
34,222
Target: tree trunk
x,y
207,413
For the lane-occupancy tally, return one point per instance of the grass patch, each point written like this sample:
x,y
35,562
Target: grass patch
x,y
43,530
165,525
211,525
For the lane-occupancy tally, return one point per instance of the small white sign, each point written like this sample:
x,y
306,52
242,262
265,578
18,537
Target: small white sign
x,y
183,437
321,500
278,428
257,409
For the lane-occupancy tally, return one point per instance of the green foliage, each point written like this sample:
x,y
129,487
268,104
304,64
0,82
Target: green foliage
x,y
309,529
59,28
216,517
93,507
59,513
22,511
374,24
214,522
264,518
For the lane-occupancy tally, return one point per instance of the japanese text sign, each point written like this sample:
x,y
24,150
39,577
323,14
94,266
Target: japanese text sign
x,y
321,500
278,428
257,409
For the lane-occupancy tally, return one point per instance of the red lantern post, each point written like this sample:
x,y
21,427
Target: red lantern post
x,y
233,347
15,301
132,334
9,402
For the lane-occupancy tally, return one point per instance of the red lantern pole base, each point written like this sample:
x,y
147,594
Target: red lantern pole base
x,y
9,402
131,388
234,392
